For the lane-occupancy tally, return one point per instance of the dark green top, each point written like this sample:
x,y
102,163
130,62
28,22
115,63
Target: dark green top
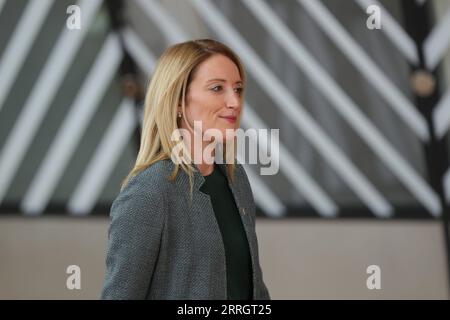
x,y
237,253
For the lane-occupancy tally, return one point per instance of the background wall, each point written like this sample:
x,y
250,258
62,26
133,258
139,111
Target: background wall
x,y
313,259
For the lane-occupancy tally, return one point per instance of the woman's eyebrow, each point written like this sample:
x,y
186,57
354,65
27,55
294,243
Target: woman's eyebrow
x,y
221,80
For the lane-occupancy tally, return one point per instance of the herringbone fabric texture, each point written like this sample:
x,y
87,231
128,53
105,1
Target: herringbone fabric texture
x,y
162,246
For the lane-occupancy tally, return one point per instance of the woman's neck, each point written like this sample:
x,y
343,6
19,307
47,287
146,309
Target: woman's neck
x,y
205,169
206,166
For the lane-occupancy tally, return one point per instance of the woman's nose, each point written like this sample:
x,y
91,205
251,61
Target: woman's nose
x,y
233,100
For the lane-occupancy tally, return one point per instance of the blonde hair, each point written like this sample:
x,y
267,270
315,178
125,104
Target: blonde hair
x,y
167,89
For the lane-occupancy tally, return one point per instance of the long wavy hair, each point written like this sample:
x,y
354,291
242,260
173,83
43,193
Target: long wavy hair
x,y
167,89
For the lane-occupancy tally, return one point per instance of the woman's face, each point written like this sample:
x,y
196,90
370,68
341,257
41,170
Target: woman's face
x,y
214,96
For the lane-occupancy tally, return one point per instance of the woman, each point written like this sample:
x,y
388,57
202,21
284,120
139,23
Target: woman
x,y
184,229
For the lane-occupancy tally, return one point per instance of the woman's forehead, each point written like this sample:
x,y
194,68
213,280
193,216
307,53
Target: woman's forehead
x,y
218,67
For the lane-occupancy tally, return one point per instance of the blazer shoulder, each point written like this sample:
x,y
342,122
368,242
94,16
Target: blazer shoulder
x,y
242,177
154,180
241,173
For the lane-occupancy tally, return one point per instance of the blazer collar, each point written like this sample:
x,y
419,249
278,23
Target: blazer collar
x,y
199,179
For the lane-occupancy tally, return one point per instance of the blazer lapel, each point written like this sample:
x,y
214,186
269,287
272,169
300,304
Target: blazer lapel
x,y
234,189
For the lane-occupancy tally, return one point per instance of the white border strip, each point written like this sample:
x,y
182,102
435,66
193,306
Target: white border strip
x,y
437,42
106,156
20,43
291,169
264,197
73,127
114,140
446,181
37,104
294,110
137,49
345,106
2,4
158,14
441,115
392,29
358,57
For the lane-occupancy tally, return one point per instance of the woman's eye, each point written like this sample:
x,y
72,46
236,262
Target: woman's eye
x,y
219,88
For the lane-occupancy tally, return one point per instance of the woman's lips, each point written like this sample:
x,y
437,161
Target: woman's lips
x,y
230,119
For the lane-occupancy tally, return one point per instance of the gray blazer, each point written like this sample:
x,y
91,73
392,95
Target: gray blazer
x,y
161,247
